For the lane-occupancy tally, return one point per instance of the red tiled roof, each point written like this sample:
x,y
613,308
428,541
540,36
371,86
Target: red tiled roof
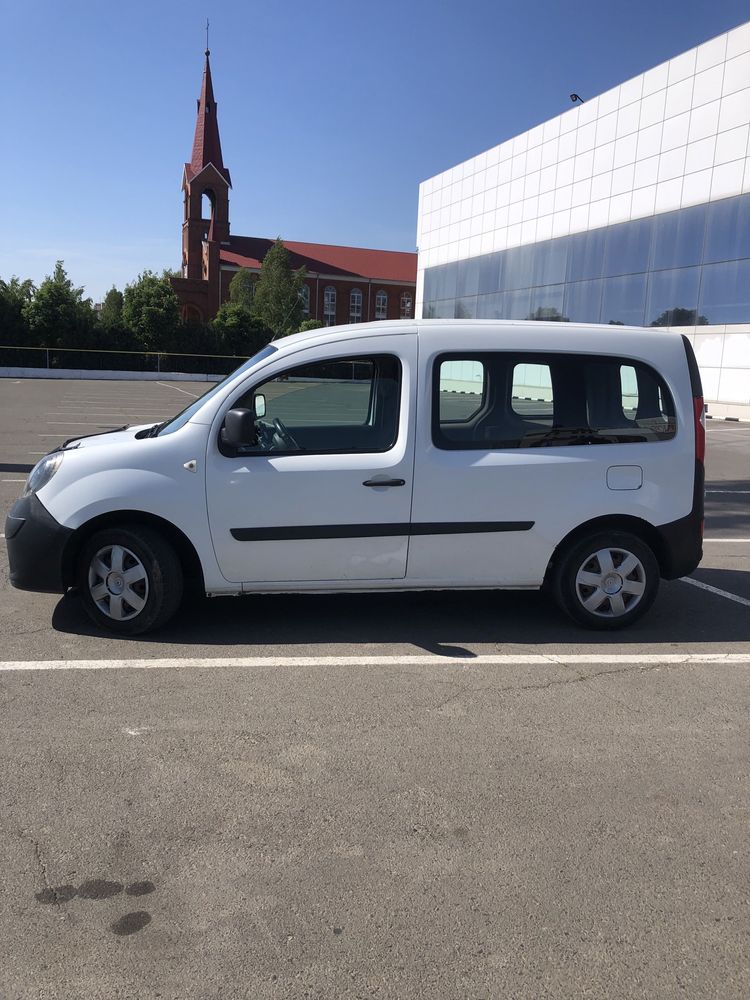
x,y
206,142
322,258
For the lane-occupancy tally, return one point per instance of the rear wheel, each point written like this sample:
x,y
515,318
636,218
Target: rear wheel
x,y
607,581
130,579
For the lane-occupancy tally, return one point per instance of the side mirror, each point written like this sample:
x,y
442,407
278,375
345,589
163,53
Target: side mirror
x,y
239,429
259,402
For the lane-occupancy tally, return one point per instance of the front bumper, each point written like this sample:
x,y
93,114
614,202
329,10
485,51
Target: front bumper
x,y
36,543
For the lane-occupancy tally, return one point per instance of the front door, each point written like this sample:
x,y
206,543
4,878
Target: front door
x,y
324,493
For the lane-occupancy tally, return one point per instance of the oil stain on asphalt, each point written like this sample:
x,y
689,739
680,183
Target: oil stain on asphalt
x,y
99,888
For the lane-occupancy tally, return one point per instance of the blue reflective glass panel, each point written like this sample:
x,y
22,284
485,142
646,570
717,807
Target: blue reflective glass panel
x,y
465,308
547,303
442,309
518,265
550,261
586,255
728,229
627,247
467,278
491,306
583,301
430,284
444,278
624,300
678,238
490,267
517,304
673,297
725,293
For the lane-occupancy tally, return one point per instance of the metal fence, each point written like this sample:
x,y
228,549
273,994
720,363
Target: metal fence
x,y
86,359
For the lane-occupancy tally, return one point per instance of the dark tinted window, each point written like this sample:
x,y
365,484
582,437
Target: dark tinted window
x,y
342,405
678,238
624,300
728,230
627,247
547,303
583,301
518,268
586,255
467,277
550,262
673,297
550,400
725,292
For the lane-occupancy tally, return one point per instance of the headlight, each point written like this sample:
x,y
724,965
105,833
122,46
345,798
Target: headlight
x,y
42,472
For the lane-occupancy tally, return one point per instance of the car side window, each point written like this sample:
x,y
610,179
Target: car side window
x,y
542,400
335,406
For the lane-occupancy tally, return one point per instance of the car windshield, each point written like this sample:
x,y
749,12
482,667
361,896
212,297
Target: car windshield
x,y
181,418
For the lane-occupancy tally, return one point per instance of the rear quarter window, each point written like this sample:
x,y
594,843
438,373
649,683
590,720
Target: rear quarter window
x,y
530,400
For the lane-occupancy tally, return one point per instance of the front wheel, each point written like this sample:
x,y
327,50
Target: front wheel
x,y
130,579
606,581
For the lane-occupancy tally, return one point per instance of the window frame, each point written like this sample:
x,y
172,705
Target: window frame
x,y
549,358
355,305
381,304
346,359
329,303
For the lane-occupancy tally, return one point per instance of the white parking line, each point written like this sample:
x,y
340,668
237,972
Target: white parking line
x,y
12,480
195,395
495,660
730,541
729,491
715,590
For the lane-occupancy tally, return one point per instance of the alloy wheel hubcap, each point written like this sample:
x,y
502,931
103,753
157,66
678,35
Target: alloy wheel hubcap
x,y
118,582
610,582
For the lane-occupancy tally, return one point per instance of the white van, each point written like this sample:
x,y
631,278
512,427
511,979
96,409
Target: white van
x,y
401,455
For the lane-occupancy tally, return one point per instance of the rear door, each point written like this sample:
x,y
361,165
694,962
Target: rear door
x,y
516,448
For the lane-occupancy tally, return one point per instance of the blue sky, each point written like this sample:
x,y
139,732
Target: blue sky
x,y
330,113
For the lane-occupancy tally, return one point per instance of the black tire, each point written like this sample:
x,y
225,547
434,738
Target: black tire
x,y
584,561
156,588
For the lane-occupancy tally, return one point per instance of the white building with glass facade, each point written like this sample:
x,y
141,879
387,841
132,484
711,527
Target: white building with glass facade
x,y
632,208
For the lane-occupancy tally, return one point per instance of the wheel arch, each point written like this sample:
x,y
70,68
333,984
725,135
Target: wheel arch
x,y
186,552
612,522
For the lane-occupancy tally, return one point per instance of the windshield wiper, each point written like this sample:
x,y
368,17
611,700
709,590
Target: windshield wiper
x,y
151,432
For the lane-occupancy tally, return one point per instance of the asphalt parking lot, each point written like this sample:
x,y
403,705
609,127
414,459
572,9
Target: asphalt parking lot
x,y
401,796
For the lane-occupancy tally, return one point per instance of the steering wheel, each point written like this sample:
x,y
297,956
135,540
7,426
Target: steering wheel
x,y
285,436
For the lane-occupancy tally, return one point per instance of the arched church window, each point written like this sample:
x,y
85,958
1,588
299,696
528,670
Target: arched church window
x,y
381,305
304,294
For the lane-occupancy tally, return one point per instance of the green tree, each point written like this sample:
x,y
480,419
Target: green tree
x,y
58,315
242,288
111,311
310,324
152,311
238,331
277,303
113,332
14,298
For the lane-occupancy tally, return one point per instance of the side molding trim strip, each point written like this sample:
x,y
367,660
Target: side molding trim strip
x,y
315,531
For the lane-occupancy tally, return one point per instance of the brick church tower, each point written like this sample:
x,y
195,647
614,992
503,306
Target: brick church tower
x,y
205,226
342,284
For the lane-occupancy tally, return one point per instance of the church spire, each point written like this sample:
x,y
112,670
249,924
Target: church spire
x,y
206,143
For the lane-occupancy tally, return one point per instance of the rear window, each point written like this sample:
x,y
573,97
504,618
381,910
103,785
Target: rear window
x,y
524,400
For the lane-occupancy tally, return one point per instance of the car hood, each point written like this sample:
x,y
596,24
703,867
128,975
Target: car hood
x,y
119,435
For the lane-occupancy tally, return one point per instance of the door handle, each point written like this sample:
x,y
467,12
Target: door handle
x,y
384,482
